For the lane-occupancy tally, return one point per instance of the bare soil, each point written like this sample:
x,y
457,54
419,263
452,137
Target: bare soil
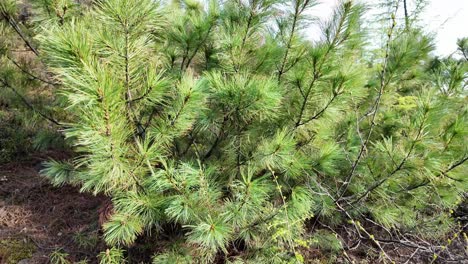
x,y
38,216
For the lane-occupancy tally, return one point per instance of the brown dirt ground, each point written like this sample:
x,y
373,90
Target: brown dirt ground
x,y
50,218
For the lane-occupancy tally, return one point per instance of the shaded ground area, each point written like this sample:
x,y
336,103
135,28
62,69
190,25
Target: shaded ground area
x,y
37,218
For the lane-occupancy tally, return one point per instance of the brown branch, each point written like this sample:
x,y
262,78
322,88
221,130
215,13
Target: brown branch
x,y
14,25
318,114
249,22
406,14
30,74
28,104
456,164
199,46
128,95
146,93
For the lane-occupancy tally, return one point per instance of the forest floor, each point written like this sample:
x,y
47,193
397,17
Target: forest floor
x,y
37,219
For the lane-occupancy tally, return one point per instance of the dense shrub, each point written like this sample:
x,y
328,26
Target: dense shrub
x,y
223,121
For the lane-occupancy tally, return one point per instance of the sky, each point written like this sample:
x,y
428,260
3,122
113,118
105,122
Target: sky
x,y
448,19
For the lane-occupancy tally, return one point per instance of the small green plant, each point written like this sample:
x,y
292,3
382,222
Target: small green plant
x,y
86,240
58,256
112,256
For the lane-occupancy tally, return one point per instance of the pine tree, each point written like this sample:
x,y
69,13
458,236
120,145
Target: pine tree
x,y
28,120
224,120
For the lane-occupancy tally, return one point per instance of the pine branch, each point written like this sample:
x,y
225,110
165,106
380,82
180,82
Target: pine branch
x,y
400,166
145,127
456,164
406,14
28,104
444,173
14,25
306,98
296,60
184,57
296,15
217,140
247,28
319,113
417,186
141,97
199,45
343,188
30,74
465,55
318,68
180,110
128,96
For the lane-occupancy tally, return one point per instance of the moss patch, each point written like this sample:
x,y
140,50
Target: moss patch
x,y
14,250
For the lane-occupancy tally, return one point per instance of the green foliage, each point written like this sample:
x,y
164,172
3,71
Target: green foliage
x,y
86,240
14,142
223,120
463,47
27,103
210,234
8,7
58,257
13,250
122,228
112,256
326,240
172,257
58,173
